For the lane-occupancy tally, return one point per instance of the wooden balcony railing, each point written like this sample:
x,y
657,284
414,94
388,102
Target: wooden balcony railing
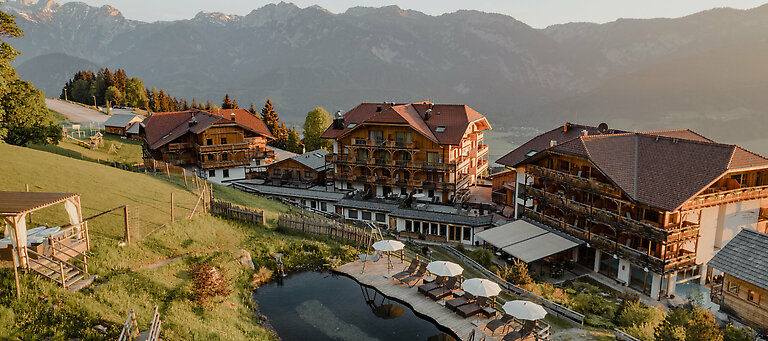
x,y
181,145
420,165
389,144
726,197
223,164
584,183
221,147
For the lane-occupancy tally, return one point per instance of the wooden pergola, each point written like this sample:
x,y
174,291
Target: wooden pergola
x,y
14,208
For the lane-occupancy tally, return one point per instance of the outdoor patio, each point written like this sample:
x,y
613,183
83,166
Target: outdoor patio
x,y
378,275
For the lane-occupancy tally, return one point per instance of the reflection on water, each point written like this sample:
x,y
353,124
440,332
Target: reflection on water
x,y
324,306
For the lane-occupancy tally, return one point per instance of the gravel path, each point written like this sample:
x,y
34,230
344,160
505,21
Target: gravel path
x,y
74,112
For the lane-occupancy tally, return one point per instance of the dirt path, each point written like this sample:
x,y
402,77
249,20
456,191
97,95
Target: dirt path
x,y
158,263
74,112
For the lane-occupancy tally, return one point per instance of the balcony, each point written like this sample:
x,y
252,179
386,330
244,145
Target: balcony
x,y
221,147
392,144
726,197
178,146
482,149
420,165
261,154
415,183
223,164
570,179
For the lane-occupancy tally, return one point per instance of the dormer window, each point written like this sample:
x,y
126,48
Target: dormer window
x,y
531,153
440,129
351,125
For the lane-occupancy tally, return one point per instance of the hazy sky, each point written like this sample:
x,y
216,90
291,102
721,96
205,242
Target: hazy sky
x,y
537,13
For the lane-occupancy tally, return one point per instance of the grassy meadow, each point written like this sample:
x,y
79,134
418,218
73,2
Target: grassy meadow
x,y
149,271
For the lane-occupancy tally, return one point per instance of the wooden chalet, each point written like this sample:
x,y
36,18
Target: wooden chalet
x,y
742,288
122,124
653,208
220,146
397,149
308,168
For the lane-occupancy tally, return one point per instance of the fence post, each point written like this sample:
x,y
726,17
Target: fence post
x,y
172,218
127,230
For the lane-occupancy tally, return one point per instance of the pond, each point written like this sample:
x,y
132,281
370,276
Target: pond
x,y
330,306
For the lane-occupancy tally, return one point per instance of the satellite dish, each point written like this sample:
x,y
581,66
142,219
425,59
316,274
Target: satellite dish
x,y
603,127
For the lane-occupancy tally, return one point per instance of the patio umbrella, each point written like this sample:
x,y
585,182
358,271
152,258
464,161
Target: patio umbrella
x,y
524,310
388,245
443,268
481,287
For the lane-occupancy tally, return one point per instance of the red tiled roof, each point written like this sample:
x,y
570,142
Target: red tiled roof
x,y
455,118
244,118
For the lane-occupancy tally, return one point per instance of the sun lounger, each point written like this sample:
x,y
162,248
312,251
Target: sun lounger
x,y
467,298
500,323
416,277
473,308
409,271
445,290
439,281
522,334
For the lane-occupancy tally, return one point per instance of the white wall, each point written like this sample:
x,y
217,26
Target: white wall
x,y
720,224
520,180
738,215
234,174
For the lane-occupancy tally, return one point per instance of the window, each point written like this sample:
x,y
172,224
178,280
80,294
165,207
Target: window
x,y
381,217
440,129
313,204
212,173
408,226
417,226
753,296
278,171
208,142
223,140
308,175
467,234
324,206
351,125
403,138
366,215
431,193
225,173
433,157
352,214
346,151
443,230
210,157
224,157
433,229
376,135
733,288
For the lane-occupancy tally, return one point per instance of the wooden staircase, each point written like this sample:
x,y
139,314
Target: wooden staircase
x,y
68,275
55,260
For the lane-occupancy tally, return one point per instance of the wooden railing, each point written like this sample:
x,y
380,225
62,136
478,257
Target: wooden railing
x,y
223,164
584,183
130,328
221,147
154,327
725,197
325,227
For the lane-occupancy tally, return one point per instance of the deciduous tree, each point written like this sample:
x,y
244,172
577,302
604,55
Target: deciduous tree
x,y
317,121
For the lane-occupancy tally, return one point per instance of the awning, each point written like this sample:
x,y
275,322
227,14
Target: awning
x,y
527,241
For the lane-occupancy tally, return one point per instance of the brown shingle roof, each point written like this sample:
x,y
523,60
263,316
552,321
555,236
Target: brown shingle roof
x,y
454,117
164,127
244,118
660,169
542,142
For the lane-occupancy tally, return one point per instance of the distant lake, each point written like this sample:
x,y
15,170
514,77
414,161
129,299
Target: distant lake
x,y
328,306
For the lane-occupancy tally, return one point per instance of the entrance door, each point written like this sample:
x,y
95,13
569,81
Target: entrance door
x,y
454,233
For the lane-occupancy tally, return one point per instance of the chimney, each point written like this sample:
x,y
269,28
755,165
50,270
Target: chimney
x,y
427,114
232,116
338,121
565,126
552,143
192,121
378,108
584,133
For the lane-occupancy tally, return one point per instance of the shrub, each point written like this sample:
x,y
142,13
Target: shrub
x,y
733,333
460,247
207,283
636,313
483,257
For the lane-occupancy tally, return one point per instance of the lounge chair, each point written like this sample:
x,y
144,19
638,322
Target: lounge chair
x,y
416,277
439,281
408,271
499,323
473,308
467,298
522,334
445,290
364,257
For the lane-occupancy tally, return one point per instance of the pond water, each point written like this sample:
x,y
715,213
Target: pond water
x,y
329,306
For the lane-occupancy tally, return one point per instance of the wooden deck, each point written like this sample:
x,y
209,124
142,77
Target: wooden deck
x,y
377,276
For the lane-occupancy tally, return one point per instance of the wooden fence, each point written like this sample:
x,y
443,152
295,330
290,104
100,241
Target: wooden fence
x,y
327,228
234,212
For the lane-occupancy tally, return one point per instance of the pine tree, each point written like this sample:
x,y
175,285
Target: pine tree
x,y
207,105
252,110
234,104
293,141
226,103
271,120
194,104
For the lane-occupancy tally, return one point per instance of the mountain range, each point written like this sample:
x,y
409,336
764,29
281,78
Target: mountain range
x,y
705,71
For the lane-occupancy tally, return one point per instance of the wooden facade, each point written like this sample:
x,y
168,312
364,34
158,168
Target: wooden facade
x,y
503,188
293,170
393,159
748,301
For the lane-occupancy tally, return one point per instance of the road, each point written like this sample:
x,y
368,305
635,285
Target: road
x,y
74,112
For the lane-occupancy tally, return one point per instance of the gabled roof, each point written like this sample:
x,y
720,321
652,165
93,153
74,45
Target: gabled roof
x,y
244,118
656,170
539,143
314,160
164,127
745,258
133,128
455,119
121,120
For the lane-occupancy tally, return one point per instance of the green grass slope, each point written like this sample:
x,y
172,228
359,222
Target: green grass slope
x,y
137,276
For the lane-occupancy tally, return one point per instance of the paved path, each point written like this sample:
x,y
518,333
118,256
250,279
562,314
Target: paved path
x,y
74,112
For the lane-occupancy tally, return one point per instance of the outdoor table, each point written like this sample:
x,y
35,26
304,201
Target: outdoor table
x,y
490,312
458,293
429,279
